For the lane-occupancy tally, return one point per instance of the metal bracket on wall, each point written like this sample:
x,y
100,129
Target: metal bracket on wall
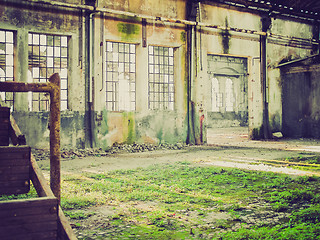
x,y
144,32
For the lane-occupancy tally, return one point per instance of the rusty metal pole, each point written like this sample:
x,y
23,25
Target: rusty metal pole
x,y
55,179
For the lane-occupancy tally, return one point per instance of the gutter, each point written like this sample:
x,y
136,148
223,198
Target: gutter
x,y
296,61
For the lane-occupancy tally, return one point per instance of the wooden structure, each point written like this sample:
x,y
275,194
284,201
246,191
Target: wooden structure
x,y
37,218
29,219
14,170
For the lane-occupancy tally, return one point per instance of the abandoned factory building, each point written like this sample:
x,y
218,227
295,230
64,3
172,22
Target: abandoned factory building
x,y
154,71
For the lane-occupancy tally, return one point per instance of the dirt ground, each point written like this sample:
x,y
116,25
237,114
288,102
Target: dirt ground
x,y
225,148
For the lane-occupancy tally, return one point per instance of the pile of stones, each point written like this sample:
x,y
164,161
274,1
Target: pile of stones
x,y
42,154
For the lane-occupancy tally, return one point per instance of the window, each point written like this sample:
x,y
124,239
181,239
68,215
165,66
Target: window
x,y
216,98
48,54
161,78
121,76
6,62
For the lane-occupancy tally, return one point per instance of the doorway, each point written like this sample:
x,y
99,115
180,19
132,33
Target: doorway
x,y
228,96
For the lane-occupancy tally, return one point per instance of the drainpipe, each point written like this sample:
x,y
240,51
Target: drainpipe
x,y
192,15
191,75
266,23
90,78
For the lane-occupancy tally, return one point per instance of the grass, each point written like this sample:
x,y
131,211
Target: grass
x,y
305,162
181,201
31,194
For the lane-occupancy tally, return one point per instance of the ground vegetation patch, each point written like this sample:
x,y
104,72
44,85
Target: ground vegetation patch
x,y
187,201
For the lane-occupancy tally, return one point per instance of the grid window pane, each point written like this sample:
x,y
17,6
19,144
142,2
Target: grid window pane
x,y
161,75
121,76
6,62
48,54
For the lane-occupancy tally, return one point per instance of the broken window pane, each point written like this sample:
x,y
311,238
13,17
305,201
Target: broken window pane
x,y
7,62
120,77
48,54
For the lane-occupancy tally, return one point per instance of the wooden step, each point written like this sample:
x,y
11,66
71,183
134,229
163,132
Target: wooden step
x,y
35,218
14,169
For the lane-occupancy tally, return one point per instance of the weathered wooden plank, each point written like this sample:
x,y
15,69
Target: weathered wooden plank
x,y
3,131
4,124
4,141
28,219
4,149
23,229
15,187
19,184
28,203
13,161
4,111
35,218
35,236
21,212
13,177
13,169
11,191
50,235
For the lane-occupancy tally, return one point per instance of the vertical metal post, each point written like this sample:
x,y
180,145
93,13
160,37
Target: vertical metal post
x,y
55,179
266,22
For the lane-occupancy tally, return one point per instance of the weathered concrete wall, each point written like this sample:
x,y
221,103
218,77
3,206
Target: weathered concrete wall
x,y
230,43
47,20
142,125
279,51
35,127
87,82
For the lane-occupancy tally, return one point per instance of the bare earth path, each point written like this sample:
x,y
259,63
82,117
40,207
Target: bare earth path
x,y
225,148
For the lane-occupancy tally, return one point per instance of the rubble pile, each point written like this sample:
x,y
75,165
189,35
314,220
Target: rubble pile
x,y
42,154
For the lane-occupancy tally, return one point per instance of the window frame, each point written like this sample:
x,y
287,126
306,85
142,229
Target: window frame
x,y
53,51
161,78
120,68
8,57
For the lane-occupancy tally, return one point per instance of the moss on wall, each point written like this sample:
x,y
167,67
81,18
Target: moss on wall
x,y
104,123
256,133
226,37
275,122
183,36
131,138
128,30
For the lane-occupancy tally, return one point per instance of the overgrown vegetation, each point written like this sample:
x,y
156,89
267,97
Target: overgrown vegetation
x,y
184,201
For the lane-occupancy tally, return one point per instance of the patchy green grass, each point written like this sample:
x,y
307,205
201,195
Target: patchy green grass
x,y
305,162
31,194
183,201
